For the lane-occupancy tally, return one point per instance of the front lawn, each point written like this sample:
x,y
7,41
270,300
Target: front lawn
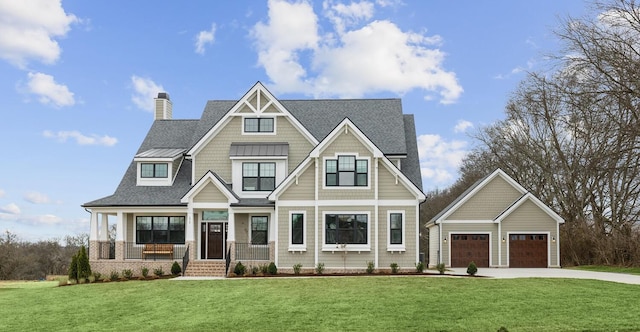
x,y
614,269
379,303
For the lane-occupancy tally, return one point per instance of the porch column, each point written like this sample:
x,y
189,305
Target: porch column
x,y
104,228
231,230
231,234
93,236
120,236
190,234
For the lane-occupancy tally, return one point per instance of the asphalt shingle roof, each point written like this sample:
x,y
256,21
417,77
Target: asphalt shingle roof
x,y
381,120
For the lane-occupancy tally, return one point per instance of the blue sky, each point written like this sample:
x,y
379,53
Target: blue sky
x,y
77,79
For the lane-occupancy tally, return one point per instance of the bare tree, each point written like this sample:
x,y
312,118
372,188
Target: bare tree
x,y
572,136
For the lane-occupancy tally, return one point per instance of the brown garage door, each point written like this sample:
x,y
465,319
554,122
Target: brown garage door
x,y
528,250
466,248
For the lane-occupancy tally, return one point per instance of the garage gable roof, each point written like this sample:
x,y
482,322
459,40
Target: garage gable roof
x,y
471,191
529,197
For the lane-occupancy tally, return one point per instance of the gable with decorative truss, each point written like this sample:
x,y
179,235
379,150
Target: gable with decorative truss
x,y
257,118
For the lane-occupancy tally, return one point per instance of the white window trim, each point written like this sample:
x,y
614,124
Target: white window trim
x,y
253,116
396,247
236,174
268,228
303,246
335,157
347,247
154,181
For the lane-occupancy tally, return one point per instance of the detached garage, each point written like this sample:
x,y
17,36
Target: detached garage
x,y
495,223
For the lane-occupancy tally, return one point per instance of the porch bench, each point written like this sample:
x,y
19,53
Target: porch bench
x,y
157,249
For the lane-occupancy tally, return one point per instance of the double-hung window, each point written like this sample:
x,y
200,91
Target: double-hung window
x,y
150,170
258,125
258,176
259,229
297,228
346,171
159,229
395,230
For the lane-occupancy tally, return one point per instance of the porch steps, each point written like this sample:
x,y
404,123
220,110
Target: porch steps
x,y
205,269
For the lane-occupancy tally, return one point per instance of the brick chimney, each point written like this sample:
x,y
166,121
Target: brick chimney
x,y
164,108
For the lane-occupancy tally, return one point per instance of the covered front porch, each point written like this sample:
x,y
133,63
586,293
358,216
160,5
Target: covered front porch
x,y
200,236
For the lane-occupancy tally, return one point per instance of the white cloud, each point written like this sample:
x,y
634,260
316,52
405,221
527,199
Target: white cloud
x,y
361,57
29,29
2,193
49,91
81,139
36,198
144,91
462,126
343,16
440,159
205,37
10,208
46,219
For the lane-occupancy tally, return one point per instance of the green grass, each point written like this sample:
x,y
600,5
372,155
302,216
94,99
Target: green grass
x,y
329,304
614,269
27,284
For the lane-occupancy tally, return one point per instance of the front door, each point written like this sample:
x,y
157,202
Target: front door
x,y
212,240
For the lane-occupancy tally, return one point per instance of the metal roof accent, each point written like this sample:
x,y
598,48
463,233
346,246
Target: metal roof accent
x,y
259,150
160,153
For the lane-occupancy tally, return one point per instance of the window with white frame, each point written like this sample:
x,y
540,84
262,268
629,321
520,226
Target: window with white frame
x,y
154,170
258,125
346,229
259,229
297,229
346,171
396,230
258,176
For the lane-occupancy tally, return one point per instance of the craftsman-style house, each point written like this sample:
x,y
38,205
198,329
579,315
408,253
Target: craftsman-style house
x,y
260,180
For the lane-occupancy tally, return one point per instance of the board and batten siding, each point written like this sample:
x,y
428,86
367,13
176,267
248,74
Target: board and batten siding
x,y
215,155
286,258
488,202
209,194
470,228
406,259
528,218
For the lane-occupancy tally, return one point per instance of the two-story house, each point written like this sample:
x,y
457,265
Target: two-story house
x,y
261,180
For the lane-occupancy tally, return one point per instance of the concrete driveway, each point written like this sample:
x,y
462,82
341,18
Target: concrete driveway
x,y
551,273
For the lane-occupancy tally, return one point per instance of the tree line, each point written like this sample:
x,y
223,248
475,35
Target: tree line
x,y
23,260
571,135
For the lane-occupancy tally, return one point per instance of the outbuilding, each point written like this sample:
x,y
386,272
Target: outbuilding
x,y
495,223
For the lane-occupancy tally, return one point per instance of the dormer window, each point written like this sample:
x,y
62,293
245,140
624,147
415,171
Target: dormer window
x,y
158,167
155,170
258,125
